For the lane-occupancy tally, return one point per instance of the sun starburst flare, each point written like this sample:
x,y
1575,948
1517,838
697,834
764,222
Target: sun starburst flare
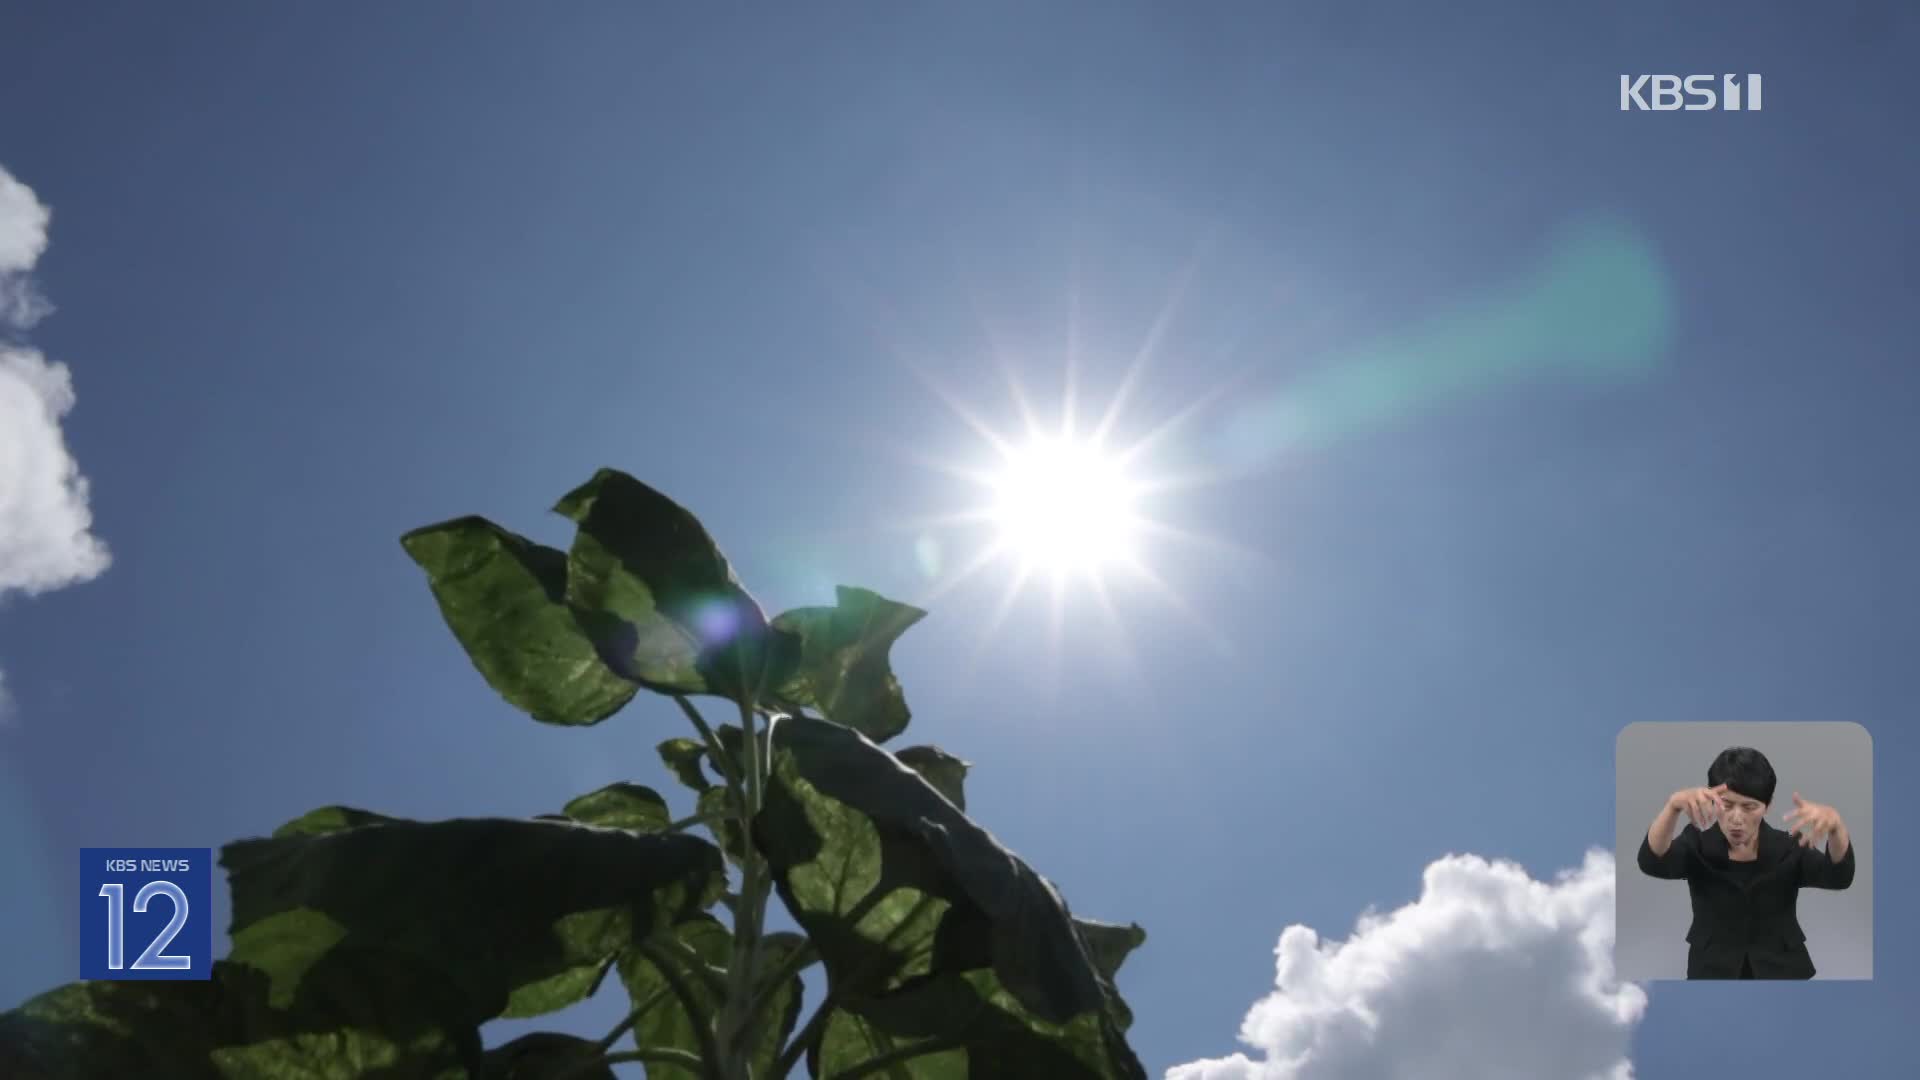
x,y
1068,509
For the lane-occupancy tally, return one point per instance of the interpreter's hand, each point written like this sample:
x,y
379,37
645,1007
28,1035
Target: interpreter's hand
x,y
1702,804
1811,821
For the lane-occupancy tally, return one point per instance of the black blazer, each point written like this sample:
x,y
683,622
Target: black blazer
x,y
1755,919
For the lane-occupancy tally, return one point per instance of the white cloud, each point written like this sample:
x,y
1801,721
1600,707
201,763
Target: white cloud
x,y
23,236
46,538
1489,975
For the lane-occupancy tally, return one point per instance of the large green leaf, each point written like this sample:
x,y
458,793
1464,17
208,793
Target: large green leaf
x,y
504,598
659,598
358,1014
521,915
929,929
844,670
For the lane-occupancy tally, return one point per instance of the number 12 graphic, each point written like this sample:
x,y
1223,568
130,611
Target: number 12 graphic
x,y
151,959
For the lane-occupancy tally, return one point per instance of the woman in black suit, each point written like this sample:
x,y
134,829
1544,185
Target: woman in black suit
x,y
1744,875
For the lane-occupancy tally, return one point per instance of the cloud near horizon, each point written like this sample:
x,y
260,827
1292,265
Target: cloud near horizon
x,y
46,538
1489,975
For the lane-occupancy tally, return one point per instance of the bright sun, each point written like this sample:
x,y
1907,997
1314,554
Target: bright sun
x,y
1065,507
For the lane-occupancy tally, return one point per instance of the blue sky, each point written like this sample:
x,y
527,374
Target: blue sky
x,y
319,274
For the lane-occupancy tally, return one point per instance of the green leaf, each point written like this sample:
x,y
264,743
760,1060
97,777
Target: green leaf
x,y
622,806
360,1014
682,757
331,819
929,929
843,668
504,598
1108,945
556,992
657,595
968,1025
947,774
509,911
545,1055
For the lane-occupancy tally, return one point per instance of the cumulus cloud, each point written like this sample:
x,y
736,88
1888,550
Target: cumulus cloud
x,y
46,538
23,236
1489,975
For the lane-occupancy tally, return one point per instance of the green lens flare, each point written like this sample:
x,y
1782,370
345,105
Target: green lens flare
x,y
1600,307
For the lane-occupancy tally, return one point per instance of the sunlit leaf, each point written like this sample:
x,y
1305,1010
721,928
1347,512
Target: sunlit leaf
x,y
682,756
844,671
331,819
657,596
929,929
504,598
622,806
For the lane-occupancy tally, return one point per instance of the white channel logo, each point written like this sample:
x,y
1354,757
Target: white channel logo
x,y
1693,93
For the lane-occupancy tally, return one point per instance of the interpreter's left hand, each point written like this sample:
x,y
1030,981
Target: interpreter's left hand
x,y
1811,821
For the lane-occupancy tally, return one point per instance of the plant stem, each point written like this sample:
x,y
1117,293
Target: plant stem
x,y
655,1055
691,820
736,1014
714,750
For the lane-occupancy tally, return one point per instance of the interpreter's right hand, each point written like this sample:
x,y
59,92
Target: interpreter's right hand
x,y
1702,804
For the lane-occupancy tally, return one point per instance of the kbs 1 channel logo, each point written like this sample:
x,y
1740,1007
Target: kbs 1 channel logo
x,y
146,913
1689,93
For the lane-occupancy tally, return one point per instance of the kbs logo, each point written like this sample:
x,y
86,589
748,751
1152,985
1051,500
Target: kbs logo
x,y
1694,93
146,913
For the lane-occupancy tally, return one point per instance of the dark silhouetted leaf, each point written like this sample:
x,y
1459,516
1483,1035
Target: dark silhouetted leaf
x,y
947,774
844,670
545,1055
1109,943
504,598
658,597
1107,946
929,929
514,913
622,806
357,1014
682,757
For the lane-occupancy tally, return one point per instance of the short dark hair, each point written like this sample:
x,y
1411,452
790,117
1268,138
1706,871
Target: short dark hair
x,y
1744,770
